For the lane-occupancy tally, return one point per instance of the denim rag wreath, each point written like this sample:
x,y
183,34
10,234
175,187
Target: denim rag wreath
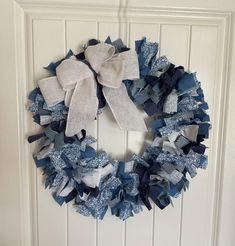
x,y
110,73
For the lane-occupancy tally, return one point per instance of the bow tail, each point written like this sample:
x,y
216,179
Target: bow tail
x,y
83,107
124,110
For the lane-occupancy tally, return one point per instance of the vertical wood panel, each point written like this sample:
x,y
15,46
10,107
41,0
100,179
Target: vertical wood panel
x,y
108,29
78,33
81,229
174,43
139,229
31,126
111,139
197,204
48,43
176,50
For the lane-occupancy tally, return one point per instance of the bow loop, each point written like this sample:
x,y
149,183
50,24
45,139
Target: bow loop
x,y
111,73
98,54
51,91
70,72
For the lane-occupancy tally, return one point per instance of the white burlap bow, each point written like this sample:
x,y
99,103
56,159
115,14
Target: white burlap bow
x,y
76,85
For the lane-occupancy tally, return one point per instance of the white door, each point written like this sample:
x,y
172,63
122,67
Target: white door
x,y
34,33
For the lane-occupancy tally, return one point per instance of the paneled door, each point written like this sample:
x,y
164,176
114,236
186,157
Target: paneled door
x,y
44,32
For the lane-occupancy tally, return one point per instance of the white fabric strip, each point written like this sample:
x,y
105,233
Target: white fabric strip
x,y
131,65
83,107
68,97
51,91
124,111
93,179
77,78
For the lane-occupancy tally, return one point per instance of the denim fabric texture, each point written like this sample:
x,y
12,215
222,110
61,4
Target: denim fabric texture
x,y
92,180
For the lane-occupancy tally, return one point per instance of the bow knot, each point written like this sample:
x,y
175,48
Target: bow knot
x,y
75,84
107,65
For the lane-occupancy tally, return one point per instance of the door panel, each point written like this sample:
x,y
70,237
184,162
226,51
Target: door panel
x,y
196,40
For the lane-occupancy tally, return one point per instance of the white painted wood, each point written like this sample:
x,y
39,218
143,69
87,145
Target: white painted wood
x,y
48,45
10,185
52,33
224,218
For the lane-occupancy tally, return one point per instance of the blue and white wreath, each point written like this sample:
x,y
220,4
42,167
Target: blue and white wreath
x,y
109,73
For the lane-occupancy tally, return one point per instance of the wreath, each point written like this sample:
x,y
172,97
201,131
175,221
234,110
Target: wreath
x,y
109,73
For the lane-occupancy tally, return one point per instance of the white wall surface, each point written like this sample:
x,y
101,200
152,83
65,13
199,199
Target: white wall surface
x,y
197,39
